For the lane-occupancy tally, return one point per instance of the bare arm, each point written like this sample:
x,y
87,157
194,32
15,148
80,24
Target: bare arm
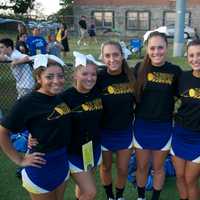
x,y
7,147
25,59
35,159
3,57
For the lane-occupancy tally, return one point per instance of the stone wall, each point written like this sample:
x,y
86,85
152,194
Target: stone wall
x,y
156,15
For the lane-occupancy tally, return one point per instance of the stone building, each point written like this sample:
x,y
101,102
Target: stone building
x,y
134,17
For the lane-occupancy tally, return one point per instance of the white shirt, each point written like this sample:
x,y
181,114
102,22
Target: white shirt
x,y
21,72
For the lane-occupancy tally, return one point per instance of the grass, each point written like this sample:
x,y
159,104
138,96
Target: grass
x,y
10,185
11,189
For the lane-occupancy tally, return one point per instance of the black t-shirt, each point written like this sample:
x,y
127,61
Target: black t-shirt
x,y
46,117
118,100
83,24
157,98
188,115
86,113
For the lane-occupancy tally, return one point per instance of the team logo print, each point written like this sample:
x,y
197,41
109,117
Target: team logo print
x,y
150,76
62,109
164,78
193,93
122,88
91,106
59,110
111,90
85,107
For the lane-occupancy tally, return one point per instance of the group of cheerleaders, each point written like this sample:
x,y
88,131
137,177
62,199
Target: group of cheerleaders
x,y
112,111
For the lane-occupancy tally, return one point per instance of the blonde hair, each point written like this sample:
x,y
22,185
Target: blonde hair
x,y
88,62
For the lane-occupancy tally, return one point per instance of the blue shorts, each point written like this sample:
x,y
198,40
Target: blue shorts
x,y
186,144
49,176
152,135
76,162
116,140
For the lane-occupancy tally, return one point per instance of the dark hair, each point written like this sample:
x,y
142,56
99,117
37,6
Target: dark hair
x,y
37,73
21,31
125,67
21,34
23,28
194,42
64,25
145,65
7,42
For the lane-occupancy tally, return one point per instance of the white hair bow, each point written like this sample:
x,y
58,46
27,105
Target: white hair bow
x,y
81,59
41,60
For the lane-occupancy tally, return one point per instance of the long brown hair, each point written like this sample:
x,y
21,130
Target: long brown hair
x,y
144,66
125,67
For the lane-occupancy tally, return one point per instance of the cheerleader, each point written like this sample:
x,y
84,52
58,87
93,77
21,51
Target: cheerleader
x,y
46,117
116,82
156,89
186,135
86,107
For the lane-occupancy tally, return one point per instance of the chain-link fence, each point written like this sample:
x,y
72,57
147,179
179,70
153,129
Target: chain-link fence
x,y
8,89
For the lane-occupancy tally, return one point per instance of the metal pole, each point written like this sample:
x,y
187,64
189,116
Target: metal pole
x,y
179,28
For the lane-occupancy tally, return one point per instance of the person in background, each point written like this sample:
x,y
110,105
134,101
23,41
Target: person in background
x,y
54,47
116,83
36,43
157,83
21,28
83,31
92,31
186,135
64,39
21,70
21,44
47,118
196,36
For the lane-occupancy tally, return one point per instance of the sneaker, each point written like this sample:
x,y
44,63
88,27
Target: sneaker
x,y
121,198
141,199
111,199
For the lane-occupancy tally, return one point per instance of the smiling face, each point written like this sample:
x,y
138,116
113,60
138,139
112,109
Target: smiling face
x,y
85,78
113,58
157,50
5,50
193,57
51,80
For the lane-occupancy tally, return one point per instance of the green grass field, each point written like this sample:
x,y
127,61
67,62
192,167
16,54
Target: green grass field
x,y
10,185
11,189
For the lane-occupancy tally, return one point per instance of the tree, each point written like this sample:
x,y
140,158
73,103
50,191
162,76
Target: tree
x,y
18,6
66,3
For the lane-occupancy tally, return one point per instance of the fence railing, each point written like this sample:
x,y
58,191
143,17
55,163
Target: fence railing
x,y
8,91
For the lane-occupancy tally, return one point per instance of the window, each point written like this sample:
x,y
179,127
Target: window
x,y
138,20
170,17
104,19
